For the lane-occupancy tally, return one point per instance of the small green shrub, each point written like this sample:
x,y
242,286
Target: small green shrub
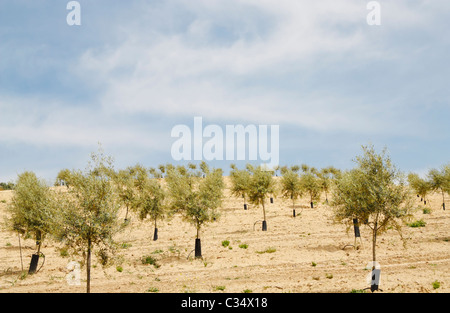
x,y
358,291
152,289
150,260
225,243
419,223
219,288
119,269
436,284
243,246
125,245
268,250
313,264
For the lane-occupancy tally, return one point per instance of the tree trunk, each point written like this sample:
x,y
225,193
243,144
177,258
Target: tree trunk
x,y
155,234
443,200
88,267
374,243
264,224
198,244
293,207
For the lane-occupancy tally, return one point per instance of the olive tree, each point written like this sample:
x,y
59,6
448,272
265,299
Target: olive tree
x,y
151,200
440,181
310,183
196,195
375,192
89,210
421,186
239,183
31,211
125,188
291,186
326,177
261,185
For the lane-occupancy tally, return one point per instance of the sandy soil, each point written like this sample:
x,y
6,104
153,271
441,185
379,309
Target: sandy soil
x,y
308,253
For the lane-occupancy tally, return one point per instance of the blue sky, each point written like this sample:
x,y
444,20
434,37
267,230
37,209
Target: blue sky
x,y
134,69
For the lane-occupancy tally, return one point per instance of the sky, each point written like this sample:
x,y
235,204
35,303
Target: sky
x,y
133,70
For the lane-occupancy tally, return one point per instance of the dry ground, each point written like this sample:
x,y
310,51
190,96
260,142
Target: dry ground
x,y
304,254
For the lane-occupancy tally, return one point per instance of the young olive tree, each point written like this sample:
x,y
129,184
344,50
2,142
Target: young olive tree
x,y
196,195
440,181
375,192
310,183
151,200
89,212
239,183
291,186
32,211
326,177
261,185
124,182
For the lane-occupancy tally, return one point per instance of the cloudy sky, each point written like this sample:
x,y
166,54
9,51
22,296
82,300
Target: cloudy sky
x,y
135,69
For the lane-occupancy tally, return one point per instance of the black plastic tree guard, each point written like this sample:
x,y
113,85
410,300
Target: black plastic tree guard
x,y
293,212
271,200
264,226
356,228
34,263
198,248
155,234
245,206
312,205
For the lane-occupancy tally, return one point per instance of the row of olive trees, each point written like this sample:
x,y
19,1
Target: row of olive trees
x,y
256,184
85,215
437,180
374,191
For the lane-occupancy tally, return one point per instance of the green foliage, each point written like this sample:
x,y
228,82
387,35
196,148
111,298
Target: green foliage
x,y
311,185
439,181
225,243
149,260
436,284
6,186
88,216
64,176
418,223
326,176
268,250
196,198
151,199
375,192
32,208
261,185
291,185
240,180
421,186
125,183
243,246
